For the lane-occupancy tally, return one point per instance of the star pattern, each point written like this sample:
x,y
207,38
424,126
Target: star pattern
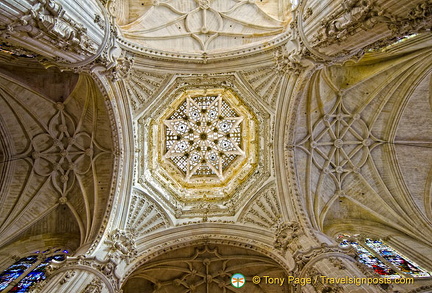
x,y
340,143
63,152
203,136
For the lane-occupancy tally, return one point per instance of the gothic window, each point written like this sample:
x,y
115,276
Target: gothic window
x,y
382,258
29,270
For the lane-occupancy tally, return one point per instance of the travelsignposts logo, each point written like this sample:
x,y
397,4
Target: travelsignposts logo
x,y
238,280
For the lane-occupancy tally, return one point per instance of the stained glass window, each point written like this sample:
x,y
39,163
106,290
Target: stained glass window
x,y
395,258
382,258
27,271
16,270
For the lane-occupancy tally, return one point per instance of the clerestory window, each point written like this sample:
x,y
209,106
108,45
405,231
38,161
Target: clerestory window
x,y
382,258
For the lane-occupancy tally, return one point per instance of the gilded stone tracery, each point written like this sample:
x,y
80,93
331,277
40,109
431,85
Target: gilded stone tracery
x,y
200,197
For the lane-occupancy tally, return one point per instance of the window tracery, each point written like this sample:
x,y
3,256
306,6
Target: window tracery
x,y
203,136
382,258
29,270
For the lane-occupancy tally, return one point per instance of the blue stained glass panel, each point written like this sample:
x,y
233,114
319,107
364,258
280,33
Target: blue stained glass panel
x,y
15,270
55,257
33,277
21,266
7,278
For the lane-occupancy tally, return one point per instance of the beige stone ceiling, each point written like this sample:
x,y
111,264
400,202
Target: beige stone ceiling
x,y
342,144
203,196
204,268
363,144
130,11
200,26
57,169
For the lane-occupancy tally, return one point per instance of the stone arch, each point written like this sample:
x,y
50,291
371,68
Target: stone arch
x,y
205,266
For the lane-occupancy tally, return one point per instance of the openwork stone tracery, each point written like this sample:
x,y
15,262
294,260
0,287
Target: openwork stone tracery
x,y
338,145
206,143
213,117
203,136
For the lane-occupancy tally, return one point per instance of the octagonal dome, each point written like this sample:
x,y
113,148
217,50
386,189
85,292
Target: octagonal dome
x,y
203,146
206,139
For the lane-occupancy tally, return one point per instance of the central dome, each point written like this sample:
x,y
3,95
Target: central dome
x,y
206,142
203,137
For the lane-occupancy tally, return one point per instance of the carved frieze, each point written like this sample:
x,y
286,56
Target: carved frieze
x,y
418,19
353,15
